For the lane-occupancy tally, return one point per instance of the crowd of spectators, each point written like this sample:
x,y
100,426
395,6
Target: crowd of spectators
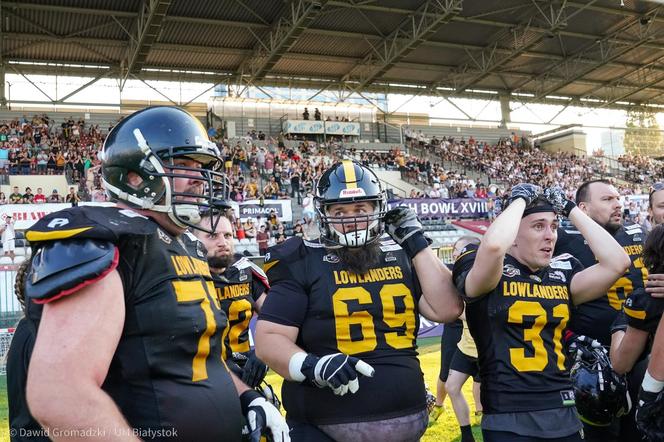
x,y
260,167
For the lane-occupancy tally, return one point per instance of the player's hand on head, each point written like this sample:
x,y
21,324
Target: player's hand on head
x,y
526,191
655,285
262,419
254,370
402,224
557,198
337,371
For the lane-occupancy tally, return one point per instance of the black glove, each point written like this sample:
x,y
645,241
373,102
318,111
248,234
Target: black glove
x,y
582,348
263,419
253,369
527,192
403,226
650,414
556,197
336,371
620,323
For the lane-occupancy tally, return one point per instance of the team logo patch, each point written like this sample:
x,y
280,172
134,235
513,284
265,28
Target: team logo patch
x,y
557,275
510,271
58,222
535,278
629,302
199,249
331,258
390,257
163,236
568,398
267,256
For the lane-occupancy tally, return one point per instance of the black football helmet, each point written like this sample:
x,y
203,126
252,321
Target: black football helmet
x,y
146,143
349,182
600,393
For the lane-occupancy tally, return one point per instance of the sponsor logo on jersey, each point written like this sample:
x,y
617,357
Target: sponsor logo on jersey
x,y
557,275
510,271
535,278
131,214
331,258
267,256
389,257
243,276
163,236
390,247
562,265
568,398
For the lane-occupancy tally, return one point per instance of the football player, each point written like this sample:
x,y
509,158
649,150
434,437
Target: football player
x,y
128,326
638,321
240,287
517,305
341,318
600,201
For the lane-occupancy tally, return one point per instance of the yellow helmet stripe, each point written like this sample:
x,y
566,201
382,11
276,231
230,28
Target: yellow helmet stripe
x,y
349,172
33,235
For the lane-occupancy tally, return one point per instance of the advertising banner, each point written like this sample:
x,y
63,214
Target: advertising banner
x,y
443,208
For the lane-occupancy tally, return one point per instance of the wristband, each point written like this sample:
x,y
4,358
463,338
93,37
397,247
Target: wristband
x,y
650,384
569,206
415,244
295,366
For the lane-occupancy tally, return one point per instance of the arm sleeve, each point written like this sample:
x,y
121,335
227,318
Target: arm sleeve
x,y
643,311
462,266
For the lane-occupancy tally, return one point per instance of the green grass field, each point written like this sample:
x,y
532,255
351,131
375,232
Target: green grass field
x,y
444,430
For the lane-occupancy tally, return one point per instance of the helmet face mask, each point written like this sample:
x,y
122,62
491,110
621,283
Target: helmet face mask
x,y
349,183
148,144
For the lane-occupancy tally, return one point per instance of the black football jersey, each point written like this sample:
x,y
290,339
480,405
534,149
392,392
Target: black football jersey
x,y
238,288
594,318
373,317
643,311
518,329
167,373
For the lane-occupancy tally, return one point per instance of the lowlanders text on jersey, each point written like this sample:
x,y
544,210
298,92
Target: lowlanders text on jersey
x,y
102,433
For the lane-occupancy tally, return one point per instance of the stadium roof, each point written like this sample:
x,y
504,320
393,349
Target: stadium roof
x,y
590,52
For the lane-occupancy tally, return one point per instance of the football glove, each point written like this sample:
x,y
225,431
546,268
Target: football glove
x,y
527,192
650,414
402,225
337,371
253,369
582,348
556,197
263,419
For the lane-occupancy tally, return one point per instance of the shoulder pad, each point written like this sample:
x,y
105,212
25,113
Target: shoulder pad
x,y
469,250
281,257
244,263
91,222
60,268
